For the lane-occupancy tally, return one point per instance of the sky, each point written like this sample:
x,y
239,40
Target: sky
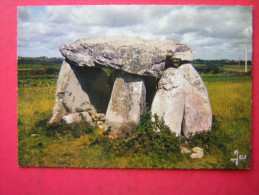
x,y
212,32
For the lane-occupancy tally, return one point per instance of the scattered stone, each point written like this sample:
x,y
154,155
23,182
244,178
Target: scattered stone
x,y
197,149
100,116
132,55
127,99
98,119
197,153
77,117
184,150
101,126
99,123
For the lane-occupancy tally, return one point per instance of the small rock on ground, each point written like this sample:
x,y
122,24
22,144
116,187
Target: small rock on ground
x,y
184,150
197,153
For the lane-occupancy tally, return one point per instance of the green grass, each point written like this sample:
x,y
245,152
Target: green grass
x,y
236,68
226,78
230,98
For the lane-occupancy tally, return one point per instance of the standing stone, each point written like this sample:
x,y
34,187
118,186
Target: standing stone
x,y
80,89
168,103
127,99
63,79
197,110
182,101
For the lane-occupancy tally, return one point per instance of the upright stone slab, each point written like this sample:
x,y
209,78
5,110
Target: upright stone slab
x,y
197,109
80,89
63,79
127,99
182,101
168,103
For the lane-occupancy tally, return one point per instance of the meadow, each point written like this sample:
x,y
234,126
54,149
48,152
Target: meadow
x,y
41,145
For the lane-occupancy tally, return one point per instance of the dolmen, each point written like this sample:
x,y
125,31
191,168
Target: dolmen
x,y
108,82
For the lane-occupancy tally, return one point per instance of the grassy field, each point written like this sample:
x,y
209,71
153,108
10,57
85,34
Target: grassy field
x,y
230,96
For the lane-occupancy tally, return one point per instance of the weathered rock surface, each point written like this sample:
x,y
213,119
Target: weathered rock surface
x,y
185,150
132,55
197,153
63,79
182,101
77,117
98,119
197,110
127,99
80,89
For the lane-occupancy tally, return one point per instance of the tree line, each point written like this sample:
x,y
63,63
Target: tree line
x,y
58,60
39,60
220,62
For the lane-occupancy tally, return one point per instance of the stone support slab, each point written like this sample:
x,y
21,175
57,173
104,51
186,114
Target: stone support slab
x,y
127,100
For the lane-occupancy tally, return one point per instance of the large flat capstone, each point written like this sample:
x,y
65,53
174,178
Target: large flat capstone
x,y
127,100
132,55
182,101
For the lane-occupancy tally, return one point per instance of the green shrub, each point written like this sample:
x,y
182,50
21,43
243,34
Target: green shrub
x,y
210,140
74,130
143,139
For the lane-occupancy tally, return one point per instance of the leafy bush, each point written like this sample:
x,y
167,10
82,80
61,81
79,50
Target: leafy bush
x,y
74,130
143,139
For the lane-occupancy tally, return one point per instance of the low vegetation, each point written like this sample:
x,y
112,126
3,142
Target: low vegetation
x,y
80,145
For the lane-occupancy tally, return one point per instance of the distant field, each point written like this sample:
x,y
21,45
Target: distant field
x,y
37,66
237,68
230,96
222,69
226,78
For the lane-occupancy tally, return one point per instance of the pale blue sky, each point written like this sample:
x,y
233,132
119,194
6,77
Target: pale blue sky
x,y
212,32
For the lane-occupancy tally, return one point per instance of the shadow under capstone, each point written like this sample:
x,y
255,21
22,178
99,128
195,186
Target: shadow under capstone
x,y
96,84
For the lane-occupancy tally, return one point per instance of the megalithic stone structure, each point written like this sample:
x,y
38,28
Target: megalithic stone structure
x,y
127,100
83,87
